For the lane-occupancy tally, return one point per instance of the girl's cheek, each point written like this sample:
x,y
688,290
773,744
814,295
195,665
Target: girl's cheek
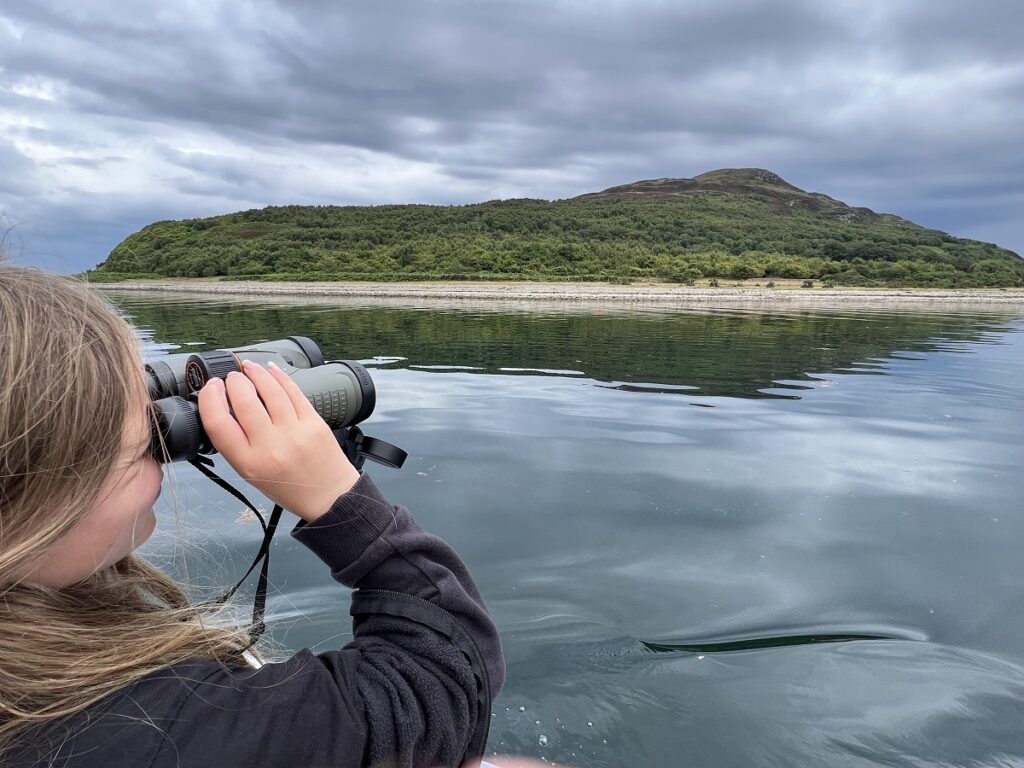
x,y
157,478
148,479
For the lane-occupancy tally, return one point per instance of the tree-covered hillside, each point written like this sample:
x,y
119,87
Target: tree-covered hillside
x,y
732,224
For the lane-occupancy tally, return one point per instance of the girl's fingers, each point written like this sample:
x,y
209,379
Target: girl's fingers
x,y
220,425
247,408
300,403
269,389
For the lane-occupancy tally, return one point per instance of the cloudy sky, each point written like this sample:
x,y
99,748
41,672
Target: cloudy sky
x,y
114,115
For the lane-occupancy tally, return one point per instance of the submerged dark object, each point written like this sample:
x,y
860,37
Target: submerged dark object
x,y
741,643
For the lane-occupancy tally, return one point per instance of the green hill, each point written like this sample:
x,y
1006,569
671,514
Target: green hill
x,y
731,224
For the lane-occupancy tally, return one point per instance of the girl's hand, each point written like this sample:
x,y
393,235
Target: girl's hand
x,y
280,445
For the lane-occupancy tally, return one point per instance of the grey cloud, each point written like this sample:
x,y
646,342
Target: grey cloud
x,y
353,75
940,33
86,162
231,171
16,172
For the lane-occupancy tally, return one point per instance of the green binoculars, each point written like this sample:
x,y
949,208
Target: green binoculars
x,y
341,391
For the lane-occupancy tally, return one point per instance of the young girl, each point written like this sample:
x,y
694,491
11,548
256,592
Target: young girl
x,y
104,662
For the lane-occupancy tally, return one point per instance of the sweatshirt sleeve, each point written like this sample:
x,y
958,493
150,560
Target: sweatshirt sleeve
x,y
418,620
414,686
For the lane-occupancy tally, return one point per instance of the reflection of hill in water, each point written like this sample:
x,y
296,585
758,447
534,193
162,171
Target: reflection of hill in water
x,y
722,354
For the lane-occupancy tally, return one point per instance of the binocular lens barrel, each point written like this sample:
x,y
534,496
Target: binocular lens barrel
x,y
168,375
341,392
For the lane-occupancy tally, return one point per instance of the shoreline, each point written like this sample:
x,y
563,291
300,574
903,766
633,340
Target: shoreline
x,y
659,295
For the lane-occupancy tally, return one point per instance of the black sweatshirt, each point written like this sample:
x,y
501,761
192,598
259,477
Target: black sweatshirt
x,y
413,688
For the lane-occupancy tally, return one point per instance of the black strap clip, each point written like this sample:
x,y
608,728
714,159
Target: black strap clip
x,y
359,447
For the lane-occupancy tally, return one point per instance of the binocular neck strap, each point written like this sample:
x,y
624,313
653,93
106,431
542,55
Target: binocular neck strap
x,y
358,447
258,627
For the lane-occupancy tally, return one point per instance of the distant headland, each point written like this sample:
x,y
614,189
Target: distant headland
x,y
735,225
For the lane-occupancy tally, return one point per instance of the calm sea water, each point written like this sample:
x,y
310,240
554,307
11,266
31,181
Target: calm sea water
x,y
716,538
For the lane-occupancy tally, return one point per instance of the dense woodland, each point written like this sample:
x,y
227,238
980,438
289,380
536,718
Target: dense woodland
x,y
713,230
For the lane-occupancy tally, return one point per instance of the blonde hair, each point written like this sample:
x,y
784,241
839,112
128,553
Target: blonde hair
x,y
69,374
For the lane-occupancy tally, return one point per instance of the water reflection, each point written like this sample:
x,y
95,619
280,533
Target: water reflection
x,y
857,475
719,353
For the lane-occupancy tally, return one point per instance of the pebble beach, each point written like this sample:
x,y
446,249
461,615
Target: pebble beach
x,y
658,295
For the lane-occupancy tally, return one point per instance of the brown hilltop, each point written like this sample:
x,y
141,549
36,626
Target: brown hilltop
x,y
742,182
